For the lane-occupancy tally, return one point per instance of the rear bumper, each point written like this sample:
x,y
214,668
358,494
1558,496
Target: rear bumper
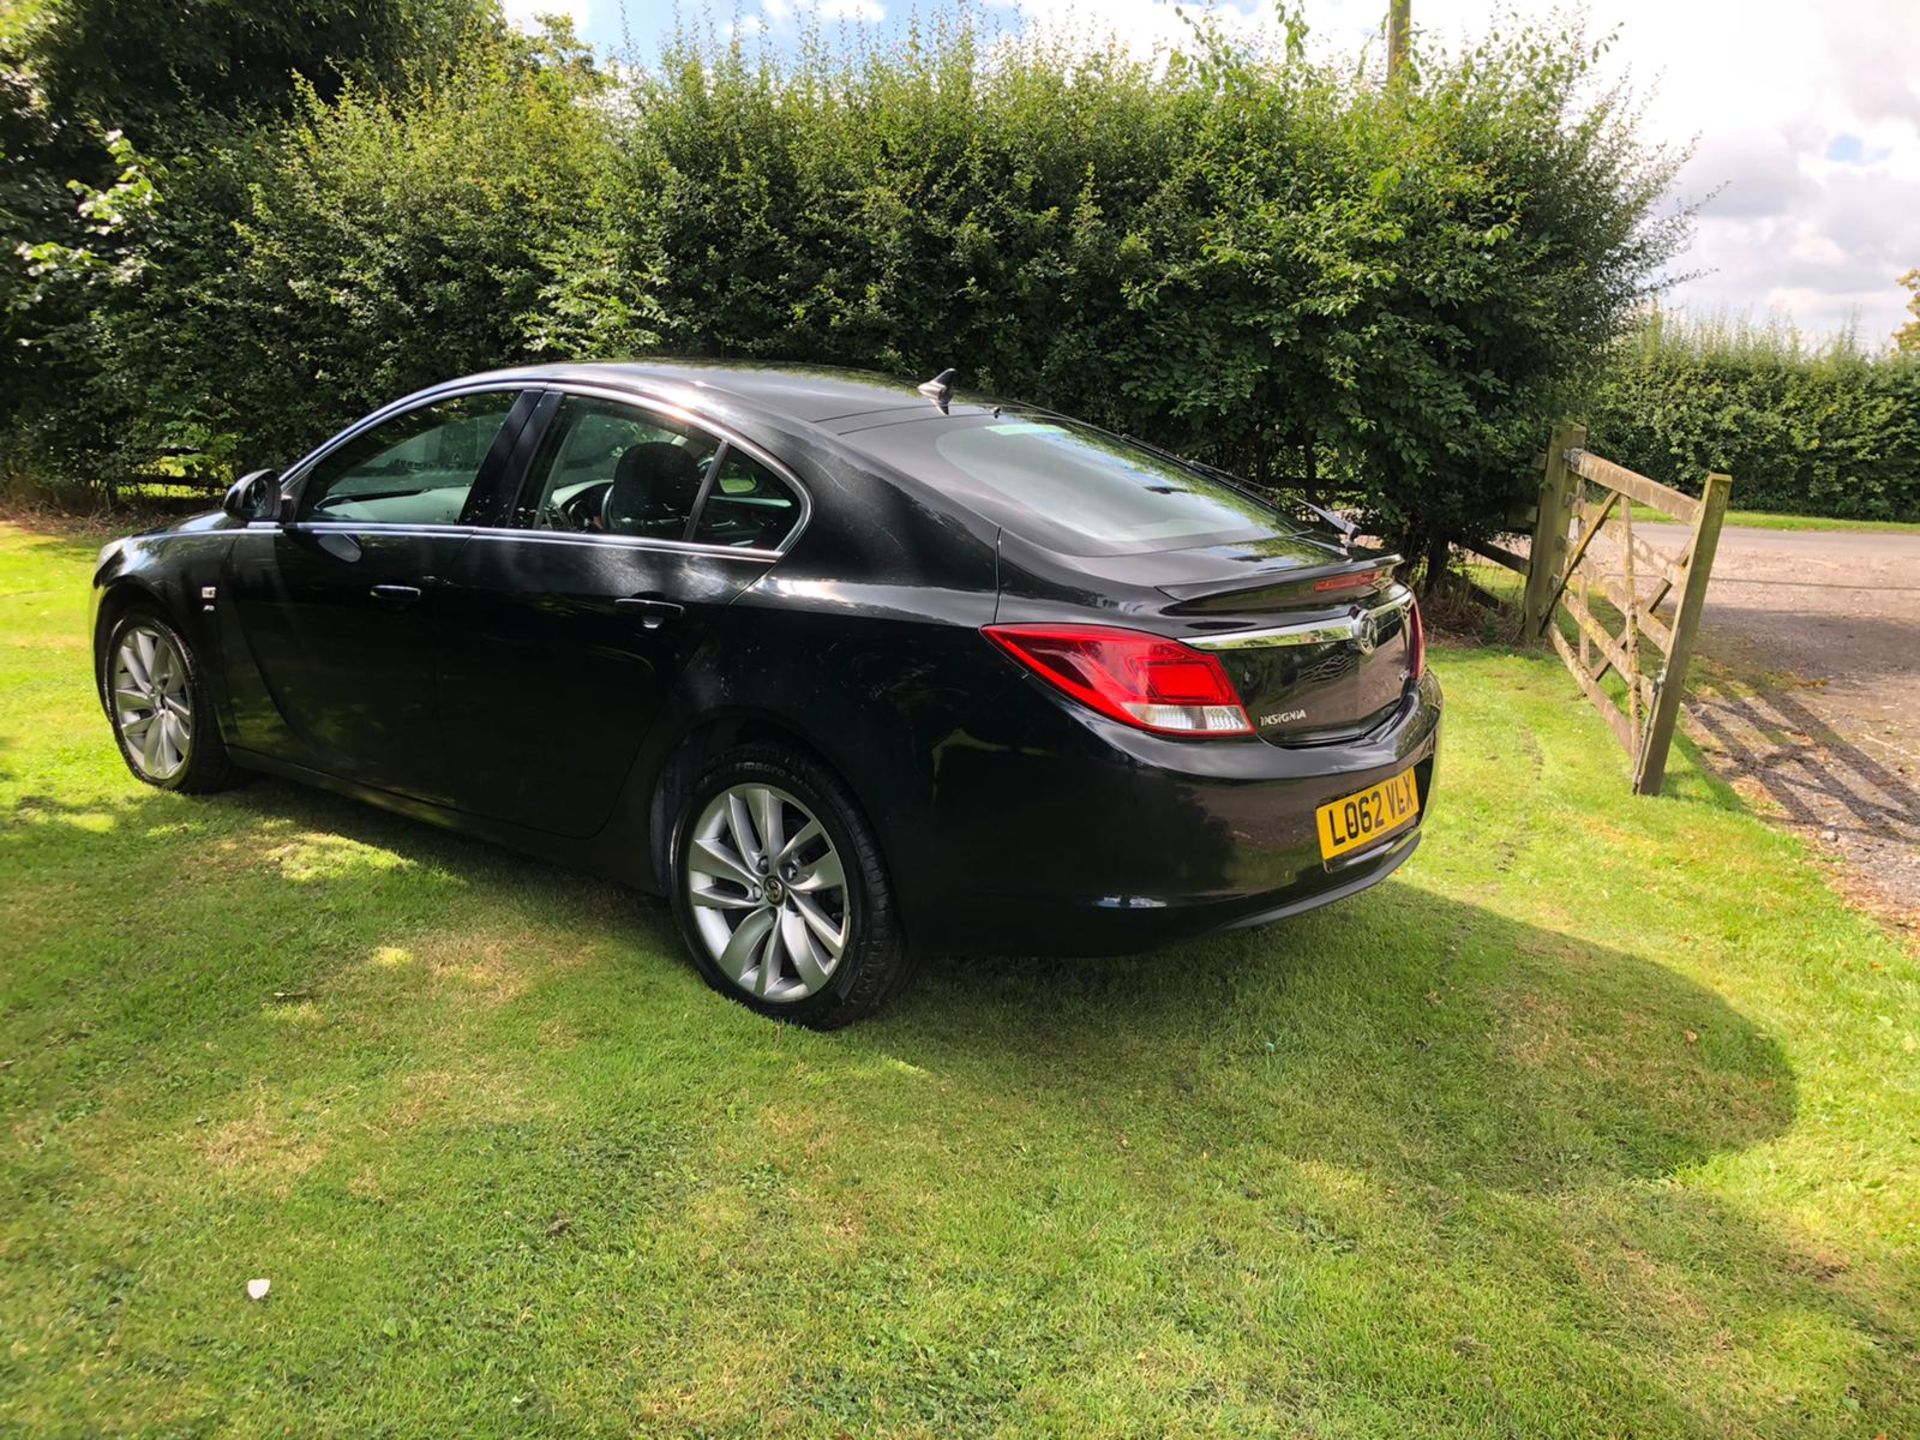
x,y
1132,841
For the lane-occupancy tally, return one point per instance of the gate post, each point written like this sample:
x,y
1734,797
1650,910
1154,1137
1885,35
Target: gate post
x,y
1549,549
1650,765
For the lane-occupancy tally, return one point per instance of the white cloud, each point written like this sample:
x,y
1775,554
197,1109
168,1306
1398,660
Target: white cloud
x,y
775,15
1764,88
1143,26
525,14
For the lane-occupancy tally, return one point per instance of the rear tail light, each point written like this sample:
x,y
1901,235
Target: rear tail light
x,y
1416,643
1142,680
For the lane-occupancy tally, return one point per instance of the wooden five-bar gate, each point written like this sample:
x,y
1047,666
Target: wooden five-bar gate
x,y
1657,597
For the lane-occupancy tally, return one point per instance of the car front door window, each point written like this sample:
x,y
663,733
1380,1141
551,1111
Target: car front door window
x,y
418,468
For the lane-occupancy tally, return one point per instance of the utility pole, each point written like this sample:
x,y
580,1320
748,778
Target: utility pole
x,y
1398,19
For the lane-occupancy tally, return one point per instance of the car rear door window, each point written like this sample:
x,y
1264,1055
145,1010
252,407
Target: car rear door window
x,y
418,468
612,469
747,507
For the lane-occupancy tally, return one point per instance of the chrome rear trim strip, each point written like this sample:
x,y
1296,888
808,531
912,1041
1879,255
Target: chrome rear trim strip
x,y
1350,626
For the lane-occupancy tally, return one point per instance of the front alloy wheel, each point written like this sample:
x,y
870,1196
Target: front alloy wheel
x,y
161,709
152,705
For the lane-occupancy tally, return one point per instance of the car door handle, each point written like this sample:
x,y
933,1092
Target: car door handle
x,y
397,594
653,613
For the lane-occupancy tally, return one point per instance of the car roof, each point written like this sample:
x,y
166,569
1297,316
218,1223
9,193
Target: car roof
x,y
814,394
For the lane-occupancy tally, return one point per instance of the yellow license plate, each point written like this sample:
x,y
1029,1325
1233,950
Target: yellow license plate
x,y
1357,820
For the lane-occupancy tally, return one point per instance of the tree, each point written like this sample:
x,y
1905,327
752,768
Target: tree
x,y
154,70
103,98
1907,337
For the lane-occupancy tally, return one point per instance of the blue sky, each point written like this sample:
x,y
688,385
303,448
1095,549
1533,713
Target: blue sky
x,y
646,20
606,22
1804,115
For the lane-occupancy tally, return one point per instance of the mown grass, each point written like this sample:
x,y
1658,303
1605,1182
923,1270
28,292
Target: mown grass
x,y
1762,520
1603,1118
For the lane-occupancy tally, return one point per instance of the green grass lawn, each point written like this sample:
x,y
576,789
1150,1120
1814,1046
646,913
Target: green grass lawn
x,y
1602,1118
1762,520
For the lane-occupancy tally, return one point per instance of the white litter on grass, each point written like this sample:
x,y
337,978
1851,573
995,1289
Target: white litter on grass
x,y
257,1289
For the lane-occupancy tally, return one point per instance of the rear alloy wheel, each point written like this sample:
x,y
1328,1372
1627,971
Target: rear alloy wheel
x,y
768,891
781,893
162,714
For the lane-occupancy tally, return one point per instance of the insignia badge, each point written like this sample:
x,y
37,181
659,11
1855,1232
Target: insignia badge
x,y
1366,634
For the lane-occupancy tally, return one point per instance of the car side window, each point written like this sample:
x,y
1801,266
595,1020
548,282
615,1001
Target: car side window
x,y
605,468
418,468
747,506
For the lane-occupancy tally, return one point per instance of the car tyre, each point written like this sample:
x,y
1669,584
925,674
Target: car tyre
x,y
162,711
781,891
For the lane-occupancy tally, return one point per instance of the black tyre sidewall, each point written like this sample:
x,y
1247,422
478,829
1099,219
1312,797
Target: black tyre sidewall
x,y
873,965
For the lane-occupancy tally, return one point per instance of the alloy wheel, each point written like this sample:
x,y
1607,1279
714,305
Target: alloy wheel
x,y
151,703
768,892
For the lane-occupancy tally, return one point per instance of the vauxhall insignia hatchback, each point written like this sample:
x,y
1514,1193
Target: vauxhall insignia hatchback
x,y
850,669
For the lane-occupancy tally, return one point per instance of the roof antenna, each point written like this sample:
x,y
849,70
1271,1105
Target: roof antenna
x,y
939,389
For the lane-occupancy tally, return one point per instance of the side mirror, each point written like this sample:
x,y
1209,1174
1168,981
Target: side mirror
x,y
254,497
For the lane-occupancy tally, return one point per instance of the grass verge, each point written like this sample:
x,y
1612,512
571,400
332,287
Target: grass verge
x,y
1601,1118
1761,520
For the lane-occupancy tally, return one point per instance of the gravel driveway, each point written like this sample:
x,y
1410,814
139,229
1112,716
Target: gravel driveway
x,y
1824,626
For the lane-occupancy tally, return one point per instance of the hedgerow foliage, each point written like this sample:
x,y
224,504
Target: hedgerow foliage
x,y
387,246
1803,431
130,135
1382,291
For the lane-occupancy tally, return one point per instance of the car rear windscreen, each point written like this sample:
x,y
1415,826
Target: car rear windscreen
x,y
1070,487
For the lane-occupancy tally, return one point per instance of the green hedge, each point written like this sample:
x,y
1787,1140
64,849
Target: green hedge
x,y
1832,433
1384,292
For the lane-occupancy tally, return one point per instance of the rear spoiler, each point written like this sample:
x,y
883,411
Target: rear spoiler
x,y
1326,584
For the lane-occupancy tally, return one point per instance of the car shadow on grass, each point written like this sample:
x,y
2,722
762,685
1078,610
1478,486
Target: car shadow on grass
x,y
1457,1040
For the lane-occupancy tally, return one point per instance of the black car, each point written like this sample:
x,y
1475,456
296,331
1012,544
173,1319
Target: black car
x,y
849,668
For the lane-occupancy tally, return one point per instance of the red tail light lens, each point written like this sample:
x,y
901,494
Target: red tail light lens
x,y
1143,680
1416,643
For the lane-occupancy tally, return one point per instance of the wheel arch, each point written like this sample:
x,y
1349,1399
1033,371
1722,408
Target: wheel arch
x,y
118,596
700,743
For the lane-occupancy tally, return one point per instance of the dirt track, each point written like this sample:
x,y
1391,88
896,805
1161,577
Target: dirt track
x,y
1825,629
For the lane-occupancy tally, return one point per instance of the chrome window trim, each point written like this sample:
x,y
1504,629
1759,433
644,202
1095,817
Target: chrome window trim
x,y
487,532
1307,632
353,527
630,542
296,475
